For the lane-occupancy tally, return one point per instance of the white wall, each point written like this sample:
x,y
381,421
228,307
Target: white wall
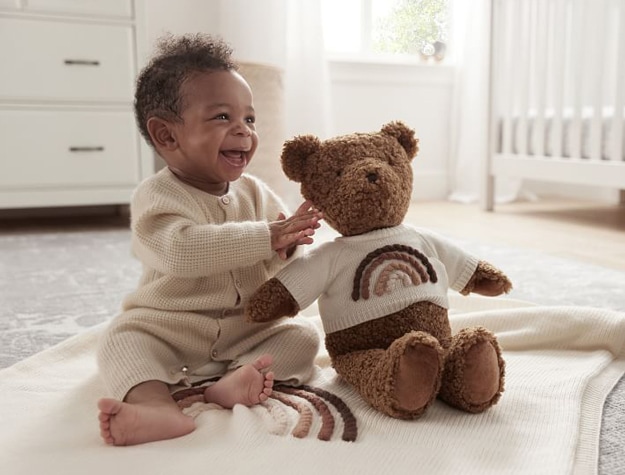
x,y
252,35
181,16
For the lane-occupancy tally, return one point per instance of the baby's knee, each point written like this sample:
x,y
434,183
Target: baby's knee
x,y
294,360
306,337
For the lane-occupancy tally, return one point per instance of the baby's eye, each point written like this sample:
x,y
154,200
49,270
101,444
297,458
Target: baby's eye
x,y
221,116
251,120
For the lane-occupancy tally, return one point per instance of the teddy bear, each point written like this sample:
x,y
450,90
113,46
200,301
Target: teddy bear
x,y
382,285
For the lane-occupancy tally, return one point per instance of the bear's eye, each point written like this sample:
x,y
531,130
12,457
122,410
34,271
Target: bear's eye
x,y
339,173
390,159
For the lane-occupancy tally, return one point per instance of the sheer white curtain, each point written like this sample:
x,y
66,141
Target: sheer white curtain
x,y
470,115
286,35
307,80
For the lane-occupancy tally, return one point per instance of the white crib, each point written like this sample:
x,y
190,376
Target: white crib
x,y
557,93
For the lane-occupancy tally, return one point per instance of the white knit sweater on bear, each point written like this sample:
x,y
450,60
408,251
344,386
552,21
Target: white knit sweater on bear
x,y
360,278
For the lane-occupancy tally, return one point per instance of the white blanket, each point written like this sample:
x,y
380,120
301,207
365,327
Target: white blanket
x,y
561,364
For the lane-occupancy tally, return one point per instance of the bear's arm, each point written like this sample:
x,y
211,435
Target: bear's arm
x,y
487,280
271,301
295,287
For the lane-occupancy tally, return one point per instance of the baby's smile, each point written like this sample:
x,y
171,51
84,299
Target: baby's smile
x,y
235,158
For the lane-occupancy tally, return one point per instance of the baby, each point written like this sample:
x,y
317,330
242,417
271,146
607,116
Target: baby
x,y
207,236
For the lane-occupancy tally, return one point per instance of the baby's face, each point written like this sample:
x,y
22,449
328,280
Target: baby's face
x,y
217,136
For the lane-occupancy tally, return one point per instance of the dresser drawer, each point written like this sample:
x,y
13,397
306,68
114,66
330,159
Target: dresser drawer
x,y
54,60
68,148
114,8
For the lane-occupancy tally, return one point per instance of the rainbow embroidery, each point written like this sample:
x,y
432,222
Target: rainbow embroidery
x,y
317,403
391,264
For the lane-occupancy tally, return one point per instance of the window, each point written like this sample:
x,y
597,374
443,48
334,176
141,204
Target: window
x,y
408,28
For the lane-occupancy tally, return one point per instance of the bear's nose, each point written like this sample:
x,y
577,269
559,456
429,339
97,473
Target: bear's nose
x,y
372,177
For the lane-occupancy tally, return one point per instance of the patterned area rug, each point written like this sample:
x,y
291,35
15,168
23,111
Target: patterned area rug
x,y
57,280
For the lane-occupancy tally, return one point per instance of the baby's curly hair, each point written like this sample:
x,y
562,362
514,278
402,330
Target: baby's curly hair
x,y
177,58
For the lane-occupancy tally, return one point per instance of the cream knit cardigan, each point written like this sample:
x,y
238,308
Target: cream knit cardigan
x,y
201,252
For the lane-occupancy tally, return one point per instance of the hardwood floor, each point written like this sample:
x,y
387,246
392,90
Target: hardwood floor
x,y
585,231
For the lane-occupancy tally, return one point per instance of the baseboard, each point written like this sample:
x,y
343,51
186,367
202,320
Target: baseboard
x,y
64,212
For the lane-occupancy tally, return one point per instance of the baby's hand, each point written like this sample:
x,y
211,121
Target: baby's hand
x,y
287,233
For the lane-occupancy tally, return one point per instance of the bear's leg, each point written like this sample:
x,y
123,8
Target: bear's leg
x,y
400,381
473,378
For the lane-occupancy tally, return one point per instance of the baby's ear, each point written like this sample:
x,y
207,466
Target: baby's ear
x,y
404,135
295,153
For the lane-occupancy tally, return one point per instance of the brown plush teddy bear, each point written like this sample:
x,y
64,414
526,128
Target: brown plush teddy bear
x,y
382,285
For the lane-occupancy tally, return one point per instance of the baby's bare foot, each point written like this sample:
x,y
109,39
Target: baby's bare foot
x,y
247,385
122,423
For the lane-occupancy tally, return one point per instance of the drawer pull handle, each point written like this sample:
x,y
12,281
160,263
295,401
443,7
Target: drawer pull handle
x,y
86,149
81,62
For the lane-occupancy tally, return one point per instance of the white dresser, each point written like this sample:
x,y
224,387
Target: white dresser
x,y
67,129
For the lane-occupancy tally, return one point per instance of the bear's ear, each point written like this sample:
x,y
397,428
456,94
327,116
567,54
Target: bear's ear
x,y
404,135
294,155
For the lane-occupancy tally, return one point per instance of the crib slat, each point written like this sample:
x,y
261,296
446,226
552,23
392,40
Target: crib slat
x,y
522,78
617,146
558,64
506,64
500,63
596,77
540,11
575,44
497,125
